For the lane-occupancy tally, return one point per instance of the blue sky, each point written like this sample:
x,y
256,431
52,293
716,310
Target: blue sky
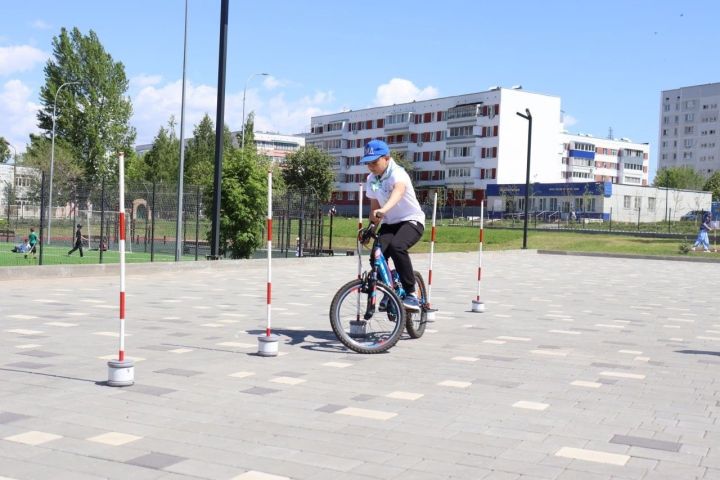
x,y
607,60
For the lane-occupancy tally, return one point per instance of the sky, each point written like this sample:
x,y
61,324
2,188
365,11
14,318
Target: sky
x,y
608,60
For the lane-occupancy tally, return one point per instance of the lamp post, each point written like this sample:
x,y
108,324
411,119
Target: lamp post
x,y
527,116
52,158
181,166
242,146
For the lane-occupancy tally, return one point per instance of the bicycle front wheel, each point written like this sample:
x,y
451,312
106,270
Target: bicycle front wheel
x,y
375,334
416,322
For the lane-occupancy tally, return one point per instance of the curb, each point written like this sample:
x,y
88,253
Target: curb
x,y
628,255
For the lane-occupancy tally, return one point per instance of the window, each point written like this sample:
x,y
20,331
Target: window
x,y
553,204
466,131
637,202
460,152
396,118
651,204
334,126
689,130
626,201
689,117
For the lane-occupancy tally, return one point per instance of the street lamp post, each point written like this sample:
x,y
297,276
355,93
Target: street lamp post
x,y
242,146
181,166
52,158
527,116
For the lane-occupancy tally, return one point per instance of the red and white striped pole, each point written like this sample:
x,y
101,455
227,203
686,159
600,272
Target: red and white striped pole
x,y
268,344
360,225
431,314
477,305
121,372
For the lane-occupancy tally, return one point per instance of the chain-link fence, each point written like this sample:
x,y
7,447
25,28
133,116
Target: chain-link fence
x,y
151,213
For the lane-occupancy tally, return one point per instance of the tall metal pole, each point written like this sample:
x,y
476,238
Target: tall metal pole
x,y
219,130
527,117
181,167
52,158
242,144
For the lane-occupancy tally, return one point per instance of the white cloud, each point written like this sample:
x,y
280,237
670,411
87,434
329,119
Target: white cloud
x,y
141,81
271,83
568,120
399,90
41,25
154,104
19,58
17,113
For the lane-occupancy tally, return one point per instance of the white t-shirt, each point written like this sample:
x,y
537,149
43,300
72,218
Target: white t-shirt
x,y
408,208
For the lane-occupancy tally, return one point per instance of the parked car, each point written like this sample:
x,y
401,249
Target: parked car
x,y
694,215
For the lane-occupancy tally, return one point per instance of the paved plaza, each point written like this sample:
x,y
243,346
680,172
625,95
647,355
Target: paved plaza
x,y
580,368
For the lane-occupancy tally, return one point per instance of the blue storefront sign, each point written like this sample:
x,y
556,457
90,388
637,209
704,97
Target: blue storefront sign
x,y
551,189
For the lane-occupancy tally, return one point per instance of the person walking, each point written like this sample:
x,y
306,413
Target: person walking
x,y
78,241
33,239
392,199
702,238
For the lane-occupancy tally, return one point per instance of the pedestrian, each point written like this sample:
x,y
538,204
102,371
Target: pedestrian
x,y
78,241
33,239
702,238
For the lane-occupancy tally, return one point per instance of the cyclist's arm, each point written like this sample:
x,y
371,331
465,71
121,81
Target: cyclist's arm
x,y
374,205
396,195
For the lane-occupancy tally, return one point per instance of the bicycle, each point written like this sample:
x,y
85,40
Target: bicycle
x,y
367,314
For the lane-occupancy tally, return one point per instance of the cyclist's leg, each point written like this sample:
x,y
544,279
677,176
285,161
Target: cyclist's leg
x,y
406,235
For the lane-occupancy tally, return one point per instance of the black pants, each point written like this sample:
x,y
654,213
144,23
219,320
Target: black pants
x,y
78,246
396,239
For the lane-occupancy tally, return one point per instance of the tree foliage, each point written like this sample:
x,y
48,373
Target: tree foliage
x,y
400,159
160,163
243,201
5,153
684,178
67,173
713,185
92,115
310,168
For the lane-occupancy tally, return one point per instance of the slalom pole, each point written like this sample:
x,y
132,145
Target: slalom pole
x,y
360,225
121,372
268,344
477,305
431,313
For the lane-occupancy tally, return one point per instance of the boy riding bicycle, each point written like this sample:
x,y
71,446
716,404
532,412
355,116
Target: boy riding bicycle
x,y
392,200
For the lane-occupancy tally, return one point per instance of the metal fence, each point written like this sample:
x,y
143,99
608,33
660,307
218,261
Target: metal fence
x,y
151,223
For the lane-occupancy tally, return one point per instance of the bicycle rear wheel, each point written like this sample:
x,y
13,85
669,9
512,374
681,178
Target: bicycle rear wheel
x,y
416,322
374,335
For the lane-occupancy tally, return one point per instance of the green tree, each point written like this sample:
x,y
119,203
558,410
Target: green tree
x,y
243,202
400,159
685,178
160,163
713,185
92,115
5,153
200,154
67,173
310,167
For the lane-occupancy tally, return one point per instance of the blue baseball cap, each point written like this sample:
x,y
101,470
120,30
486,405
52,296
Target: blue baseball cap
x,y
374,150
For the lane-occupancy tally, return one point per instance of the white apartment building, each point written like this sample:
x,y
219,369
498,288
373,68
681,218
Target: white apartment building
x,y
465,143
689,129
587,158
277,146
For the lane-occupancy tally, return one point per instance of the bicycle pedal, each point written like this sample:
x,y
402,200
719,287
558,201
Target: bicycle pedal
x,y
430,310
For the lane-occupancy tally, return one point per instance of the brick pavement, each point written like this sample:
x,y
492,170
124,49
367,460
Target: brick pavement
x,y
580,368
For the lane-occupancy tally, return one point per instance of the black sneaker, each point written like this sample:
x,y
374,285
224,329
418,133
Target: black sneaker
x,y
384,303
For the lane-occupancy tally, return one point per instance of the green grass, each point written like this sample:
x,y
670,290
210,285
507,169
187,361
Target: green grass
x,y
459,238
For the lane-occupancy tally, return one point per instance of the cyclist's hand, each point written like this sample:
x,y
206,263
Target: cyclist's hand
x,y
365,234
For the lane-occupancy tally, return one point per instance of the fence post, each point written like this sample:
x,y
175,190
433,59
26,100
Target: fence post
x,y
152,226
42,215
197,220
102,218
300,227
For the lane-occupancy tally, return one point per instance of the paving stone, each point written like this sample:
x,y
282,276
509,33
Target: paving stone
x,y
646,443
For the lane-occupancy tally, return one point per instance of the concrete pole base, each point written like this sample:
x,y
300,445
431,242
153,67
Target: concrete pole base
x,y
358,328
478,306
268,345
121,374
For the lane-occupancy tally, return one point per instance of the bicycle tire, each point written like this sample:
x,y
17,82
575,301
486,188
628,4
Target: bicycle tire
x,y
416,322
375,335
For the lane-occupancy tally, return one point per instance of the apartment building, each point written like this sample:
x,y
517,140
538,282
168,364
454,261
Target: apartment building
x,y
462,144
587,158
689,133
277,146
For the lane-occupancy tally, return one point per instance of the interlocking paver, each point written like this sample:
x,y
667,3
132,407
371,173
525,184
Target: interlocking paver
x,y
581,345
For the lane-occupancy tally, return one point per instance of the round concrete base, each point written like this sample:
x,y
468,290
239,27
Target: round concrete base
x,y
477,306
268,345
121,374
